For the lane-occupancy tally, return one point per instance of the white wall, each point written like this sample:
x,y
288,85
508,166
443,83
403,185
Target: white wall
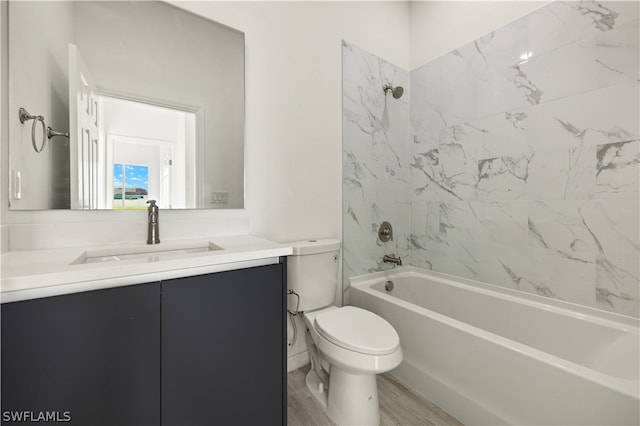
x,y
39,84
294,110
438,27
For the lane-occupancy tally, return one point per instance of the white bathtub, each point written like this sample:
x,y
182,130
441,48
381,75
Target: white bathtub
x,y
491,355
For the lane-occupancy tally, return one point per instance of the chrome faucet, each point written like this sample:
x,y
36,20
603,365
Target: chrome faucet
x,y
392,259
153,234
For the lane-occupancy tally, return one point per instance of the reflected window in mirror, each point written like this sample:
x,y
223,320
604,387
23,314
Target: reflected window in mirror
x,y
130,186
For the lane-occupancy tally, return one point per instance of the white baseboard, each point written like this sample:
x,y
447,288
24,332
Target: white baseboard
x,y
298,360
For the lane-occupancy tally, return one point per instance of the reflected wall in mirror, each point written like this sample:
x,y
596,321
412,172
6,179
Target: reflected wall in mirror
x,y
151,95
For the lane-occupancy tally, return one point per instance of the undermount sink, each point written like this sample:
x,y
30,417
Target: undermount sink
x,y
146,253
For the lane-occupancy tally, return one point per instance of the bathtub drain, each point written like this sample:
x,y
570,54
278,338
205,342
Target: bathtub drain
x,y
388,285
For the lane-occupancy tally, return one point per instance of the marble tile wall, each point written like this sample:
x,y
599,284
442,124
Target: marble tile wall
x,y
525,157
375,161
515,161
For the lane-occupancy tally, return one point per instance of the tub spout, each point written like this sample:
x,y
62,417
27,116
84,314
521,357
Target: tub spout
x,y
392,259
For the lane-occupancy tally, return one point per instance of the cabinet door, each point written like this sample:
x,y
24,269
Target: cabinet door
x,y
223,350
91,356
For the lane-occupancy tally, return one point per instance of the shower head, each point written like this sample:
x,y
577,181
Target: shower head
x,y
397,91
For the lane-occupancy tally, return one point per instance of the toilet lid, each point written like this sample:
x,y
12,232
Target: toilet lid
x,y
358,330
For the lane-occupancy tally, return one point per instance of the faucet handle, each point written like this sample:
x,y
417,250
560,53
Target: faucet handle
x,y
152,202
385,232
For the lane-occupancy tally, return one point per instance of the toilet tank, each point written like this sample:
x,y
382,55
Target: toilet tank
x,y
312,273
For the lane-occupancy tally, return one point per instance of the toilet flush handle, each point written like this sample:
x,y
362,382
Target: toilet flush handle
x,y
291,292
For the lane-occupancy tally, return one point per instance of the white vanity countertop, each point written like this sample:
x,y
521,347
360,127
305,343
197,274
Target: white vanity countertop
x,y
44,273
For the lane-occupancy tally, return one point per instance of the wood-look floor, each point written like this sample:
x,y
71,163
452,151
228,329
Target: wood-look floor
x,y
399,405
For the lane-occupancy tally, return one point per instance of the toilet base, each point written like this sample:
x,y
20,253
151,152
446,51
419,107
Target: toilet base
x,y
352,399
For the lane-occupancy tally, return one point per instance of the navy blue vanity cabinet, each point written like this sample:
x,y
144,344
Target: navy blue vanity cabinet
x,y
92,358
223,348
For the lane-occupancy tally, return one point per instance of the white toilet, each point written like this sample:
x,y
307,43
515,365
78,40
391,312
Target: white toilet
x,y
348,346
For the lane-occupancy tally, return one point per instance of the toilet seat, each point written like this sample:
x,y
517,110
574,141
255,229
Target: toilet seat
x,y
357,330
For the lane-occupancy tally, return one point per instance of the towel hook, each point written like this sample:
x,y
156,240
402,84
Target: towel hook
x,y
24,117
46,130
51,133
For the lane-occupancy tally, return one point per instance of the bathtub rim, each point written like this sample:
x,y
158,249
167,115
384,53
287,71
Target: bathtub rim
x,y
560,306
627,387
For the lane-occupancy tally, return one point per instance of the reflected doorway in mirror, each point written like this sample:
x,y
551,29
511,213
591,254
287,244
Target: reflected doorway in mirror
x,y
160,139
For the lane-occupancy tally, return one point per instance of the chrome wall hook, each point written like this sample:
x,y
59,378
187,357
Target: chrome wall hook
x,y
52,133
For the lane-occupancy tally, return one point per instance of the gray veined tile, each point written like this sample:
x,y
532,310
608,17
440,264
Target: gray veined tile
x,y
618,169
462,134
533,270
455,104
562,173
439,256
565,22
479,221
356,215
494,263
561,226
503,47
500,84
562,72
614,225
425,217
428,178
518,171
500,135
503,178
600,227
558,225
593,118
447,86
456,69
617,55
505,89
376,177
364,102
530,91
579,182
618,284
426,128
458,168
552,274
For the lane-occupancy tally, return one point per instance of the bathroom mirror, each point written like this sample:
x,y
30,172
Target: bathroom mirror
x,y
152,97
